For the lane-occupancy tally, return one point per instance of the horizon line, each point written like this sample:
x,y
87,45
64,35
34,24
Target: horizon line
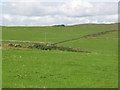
x,y
62,24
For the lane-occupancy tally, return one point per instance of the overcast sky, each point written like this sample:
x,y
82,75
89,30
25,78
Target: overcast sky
x,y
68,12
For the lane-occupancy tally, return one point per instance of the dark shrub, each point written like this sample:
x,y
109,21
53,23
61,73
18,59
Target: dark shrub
x,y
52,47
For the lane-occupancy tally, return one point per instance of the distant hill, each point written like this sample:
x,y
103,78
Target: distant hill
x,y
77,25
91,24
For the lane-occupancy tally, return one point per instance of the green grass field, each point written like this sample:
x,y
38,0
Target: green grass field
x,y
33,68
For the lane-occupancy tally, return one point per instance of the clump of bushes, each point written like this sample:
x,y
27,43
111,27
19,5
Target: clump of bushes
x,y
43,46
53,47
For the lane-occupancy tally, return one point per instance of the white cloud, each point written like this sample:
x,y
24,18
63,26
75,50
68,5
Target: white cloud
x,y
57,0
51,20
73,8
8,17
74,12
112,17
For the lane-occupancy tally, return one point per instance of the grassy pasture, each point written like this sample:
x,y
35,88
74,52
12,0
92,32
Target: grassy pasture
x,y
53,34
111,34
27,68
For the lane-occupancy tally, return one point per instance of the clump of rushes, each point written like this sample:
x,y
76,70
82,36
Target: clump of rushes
x,y
53,47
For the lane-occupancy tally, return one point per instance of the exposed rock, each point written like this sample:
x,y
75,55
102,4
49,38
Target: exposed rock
x,y
18,45
10,44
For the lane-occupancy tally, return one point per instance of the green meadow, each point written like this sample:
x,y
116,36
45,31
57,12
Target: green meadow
x,y
34,68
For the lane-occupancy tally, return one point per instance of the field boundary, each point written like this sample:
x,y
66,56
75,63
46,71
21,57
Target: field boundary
x,y
85,36
23,41
103,37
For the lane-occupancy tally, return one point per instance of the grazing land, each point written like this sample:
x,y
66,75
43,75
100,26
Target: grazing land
x,y
36,68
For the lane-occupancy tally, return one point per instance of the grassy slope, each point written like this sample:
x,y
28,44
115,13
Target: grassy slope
x,y
52,69
56,69
53,34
